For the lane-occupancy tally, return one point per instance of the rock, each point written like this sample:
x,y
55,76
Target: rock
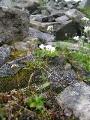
x,y
45,37
58,24
67,30
74,14
62,19
21,4
22,46
11,68
5,51
14,25
43,18
76,98
59,76
55,6
28,44
72,3
43,26
68,66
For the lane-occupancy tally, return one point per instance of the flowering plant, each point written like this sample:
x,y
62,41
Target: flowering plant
x,y
47,48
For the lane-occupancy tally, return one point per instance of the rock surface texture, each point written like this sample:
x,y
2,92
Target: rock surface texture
x,y
13,25
76,99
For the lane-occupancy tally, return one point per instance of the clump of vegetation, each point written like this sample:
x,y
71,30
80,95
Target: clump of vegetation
x,y
36,102
86,11
82,59
43,53
17,53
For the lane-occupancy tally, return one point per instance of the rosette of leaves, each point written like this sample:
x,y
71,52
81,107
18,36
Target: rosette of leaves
x,y
36,102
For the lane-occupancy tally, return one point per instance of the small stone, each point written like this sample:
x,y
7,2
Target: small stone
x,y
67,66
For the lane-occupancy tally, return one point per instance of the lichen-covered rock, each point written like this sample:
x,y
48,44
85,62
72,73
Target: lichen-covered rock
x,y
11,68
29,44
60,75
14,24
76,99
5,51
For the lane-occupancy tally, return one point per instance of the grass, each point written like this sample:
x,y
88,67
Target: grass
x,y
86,11
82,59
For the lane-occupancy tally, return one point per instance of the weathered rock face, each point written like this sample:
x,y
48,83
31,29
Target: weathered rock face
x,y
75,14
77,99
45,37
20,4
62,24
4,54
60,75
14,24
11,68
58,5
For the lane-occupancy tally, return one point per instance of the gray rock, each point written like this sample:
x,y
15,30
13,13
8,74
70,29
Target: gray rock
x,y
45,37
76,98
72,3
56,5
61,29
75,14
11,68
43,26
28,44
62,19
14,24
4,54
38,17
21,4
43,18
59,76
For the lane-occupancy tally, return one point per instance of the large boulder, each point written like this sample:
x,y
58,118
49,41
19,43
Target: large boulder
x,y
76,99
14,24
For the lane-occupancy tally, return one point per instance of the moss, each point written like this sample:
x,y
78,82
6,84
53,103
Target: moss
x,y
17,54
15,82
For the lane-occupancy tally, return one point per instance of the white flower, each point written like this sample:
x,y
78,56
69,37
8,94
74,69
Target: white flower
x,y
50,28
47,47
88,41
76,38
83,37
50,48
42,46
85,19
14,66
86,29
53,49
